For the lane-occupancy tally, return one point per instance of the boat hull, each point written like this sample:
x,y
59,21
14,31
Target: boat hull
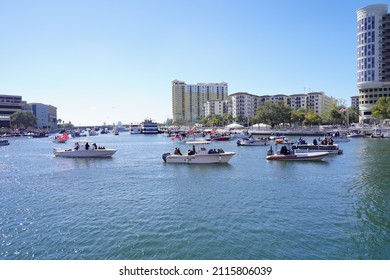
x,y
198,158
244,142
331,149
299,156
4,142
98,153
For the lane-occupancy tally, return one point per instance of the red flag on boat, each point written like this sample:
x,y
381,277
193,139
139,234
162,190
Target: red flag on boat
x,y
191,132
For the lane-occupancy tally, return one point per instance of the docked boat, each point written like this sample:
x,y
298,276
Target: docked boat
x,y
197,141
308,148
40,134
93,132
222,138
4,142
377,133
251,141
149,127
135,129
338,137
285,154
356,134
201,156
85,151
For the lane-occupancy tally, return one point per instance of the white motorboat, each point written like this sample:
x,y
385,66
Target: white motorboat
x,y
298,156
251,141
284,154
85,151
356,134
197,142
199,157
377,133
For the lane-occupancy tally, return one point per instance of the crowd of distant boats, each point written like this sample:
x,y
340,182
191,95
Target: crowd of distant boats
x,y
280,147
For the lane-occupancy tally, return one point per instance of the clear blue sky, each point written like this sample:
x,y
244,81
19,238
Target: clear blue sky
x,y
109,61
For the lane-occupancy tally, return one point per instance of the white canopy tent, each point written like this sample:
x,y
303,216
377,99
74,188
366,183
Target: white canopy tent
x,y
234,126
261,126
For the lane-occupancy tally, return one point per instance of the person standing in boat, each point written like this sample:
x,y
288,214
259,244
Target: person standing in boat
x,y
87,146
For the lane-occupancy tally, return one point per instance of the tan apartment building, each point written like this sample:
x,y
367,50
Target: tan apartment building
x,y
188,101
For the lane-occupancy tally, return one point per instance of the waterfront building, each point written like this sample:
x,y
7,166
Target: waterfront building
x,y
188,101
9,104
319,102
217,107
373,57
46,115
297,101
355,101
243,104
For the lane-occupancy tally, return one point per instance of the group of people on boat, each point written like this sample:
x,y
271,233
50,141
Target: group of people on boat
x,y
193,151
284,150
324,141
87,146
215,151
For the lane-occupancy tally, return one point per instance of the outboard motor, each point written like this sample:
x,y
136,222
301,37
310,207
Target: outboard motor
x,y
164,156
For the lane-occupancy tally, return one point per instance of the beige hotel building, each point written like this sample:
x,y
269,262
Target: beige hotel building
x,y
188,101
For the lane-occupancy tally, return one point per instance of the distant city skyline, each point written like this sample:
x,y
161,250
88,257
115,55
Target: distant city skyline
x,y
99,61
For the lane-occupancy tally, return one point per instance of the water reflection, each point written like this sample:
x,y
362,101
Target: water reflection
x,y
372,192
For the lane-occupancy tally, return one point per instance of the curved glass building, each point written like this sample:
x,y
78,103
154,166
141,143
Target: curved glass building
x,y
373,57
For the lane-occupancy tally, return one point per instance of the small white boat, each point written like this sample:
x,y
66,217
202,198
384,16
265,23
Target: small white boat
x,y
200,157
198,142
251,141
377,133
284,154
85,151
93,132
356,134
298,156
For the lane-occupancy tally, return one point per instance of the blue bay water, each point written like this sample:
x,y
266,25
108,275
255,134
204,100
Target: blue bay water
x,y
134,206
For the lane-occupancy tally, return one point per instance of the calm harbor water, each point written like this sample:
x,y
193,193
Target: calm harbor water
x,y
134,206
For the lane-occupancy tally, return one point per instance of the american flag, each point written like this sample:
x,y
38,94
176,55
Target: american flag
x,y
342,110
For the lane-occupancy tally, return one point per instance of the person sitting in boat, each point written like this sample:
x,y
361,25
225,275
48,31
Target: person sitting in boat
x,y
94,146
191,152
87,146
76,146
177,151
221,151
315,143
284,150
